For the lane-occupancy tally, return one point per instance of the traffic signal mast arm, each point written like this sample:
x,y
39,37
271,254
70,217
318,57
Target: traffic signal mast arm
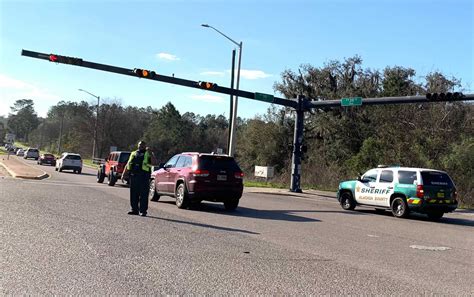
x,y
158,77
395,100
306,104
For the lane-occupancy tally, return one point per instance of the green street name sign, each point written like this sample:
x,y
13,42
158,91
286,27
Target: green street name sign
x,y
264,97
356,101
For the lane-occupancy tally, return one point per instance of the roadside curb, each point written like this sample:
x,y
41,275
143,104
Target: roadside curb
x,y
309,194
14,175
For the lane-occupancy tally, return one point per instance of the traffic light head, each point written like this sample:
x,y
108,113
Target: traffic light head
x,y
444,96
65,59
144,73
206,85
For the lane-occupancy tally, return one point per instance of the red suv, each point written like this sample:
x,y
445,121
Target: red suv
x,y
113,167
193,177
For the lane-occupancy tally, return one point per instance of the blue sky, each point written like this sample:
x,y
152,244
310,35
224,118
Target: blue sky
x,y
166,36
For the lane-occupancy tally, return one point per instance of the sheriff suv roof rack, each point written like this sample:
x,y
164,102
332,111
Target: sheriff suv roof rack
x,y
386,166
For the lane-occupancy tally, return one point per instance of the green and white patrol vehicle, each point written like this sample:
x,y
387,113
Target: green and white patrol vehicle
x,y
401,190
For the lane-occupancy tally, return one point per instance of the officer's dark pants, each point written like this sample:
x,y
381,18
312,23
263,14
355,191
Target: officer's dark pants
x,y
139,186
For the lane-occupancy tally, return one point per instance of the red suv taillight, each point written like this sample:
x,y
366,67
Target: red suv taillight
x,y
200,172
455,194
420,193
239,175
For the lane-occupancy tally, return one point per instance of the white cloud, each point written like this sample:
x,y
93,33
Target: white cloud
x,y
213,73
244,73
13,89
11,83
168,57
207,98
253,74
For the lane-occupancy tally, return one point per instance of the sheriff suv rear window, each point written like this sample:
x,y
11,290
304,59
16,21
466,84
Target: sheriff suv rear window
x,y
124,157
217,162
406,177
433,178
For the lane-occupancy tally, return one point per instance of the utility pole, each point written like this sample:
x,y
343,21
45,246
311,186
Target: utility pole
x,y
60,132
94,142
232,74
233,115
236,101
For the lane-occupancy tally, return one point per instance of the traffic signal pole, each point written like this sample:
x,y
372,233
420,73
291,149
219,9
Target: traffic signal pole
x,y
300,104
295,185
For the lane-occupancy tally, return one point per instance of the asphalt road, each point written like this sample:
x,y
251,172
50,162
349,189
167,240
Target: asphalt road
x,y
69,235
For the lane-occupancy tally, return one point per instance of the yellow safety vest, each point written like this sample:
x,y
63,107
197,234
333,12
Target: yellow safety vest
x,y
146,166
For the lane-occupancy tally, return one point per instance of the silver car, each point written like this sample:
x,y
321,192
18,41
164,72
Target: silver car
x,y
31,153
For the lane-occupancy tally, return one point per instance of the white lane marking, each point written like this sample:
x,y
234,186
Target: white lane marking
x,y
430,248
370,235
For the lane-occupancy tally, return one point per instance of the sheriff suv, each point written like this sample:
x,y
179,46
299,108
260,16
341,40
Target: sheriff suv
x,y
401,190
113,167
193,177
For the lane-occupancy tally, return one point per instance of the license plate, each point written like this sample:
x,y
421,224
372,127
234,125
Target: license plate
x,y
440,195
221,177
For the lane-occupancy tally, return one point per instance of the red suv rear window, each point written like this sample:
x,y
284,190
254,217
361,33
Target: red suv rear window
x,y
217,162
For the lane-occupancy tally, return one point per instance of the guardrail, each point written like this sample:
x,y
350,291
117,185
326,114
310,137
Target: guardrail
x,y
98,161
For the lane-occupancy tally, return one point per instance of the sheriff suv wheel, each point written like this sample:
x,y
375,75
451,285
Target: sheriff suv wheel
x,y
399,207
347,201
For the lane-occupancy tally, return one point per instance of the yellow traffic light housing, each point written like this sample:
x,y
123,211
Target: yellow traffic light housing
x,y
144,73
206,85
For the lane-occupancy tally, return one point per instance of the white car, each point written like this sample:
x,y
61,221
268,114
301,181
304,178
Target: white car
x,y
20,152
32,153
69,161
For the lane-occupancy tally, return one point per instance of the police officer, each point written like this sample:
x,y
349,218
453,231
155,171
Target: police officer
x,y
139,169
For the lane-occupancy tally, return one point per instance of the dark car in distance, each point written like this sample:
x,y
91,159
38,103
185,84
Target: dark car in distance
x,y
113,167
194,177
47,159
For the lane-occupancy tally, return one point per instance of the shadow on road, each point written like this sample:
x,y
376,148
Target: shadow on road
x,y
422,217
203,225
290,215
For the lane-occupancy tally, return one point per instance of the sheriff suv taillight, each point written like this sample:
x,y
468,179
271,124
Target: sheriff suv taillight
x,y
201,173
455,194
239,175
420,193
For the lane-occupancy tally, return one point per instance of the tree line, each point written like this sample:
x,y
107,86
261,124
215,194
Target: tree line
x,y
342,142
